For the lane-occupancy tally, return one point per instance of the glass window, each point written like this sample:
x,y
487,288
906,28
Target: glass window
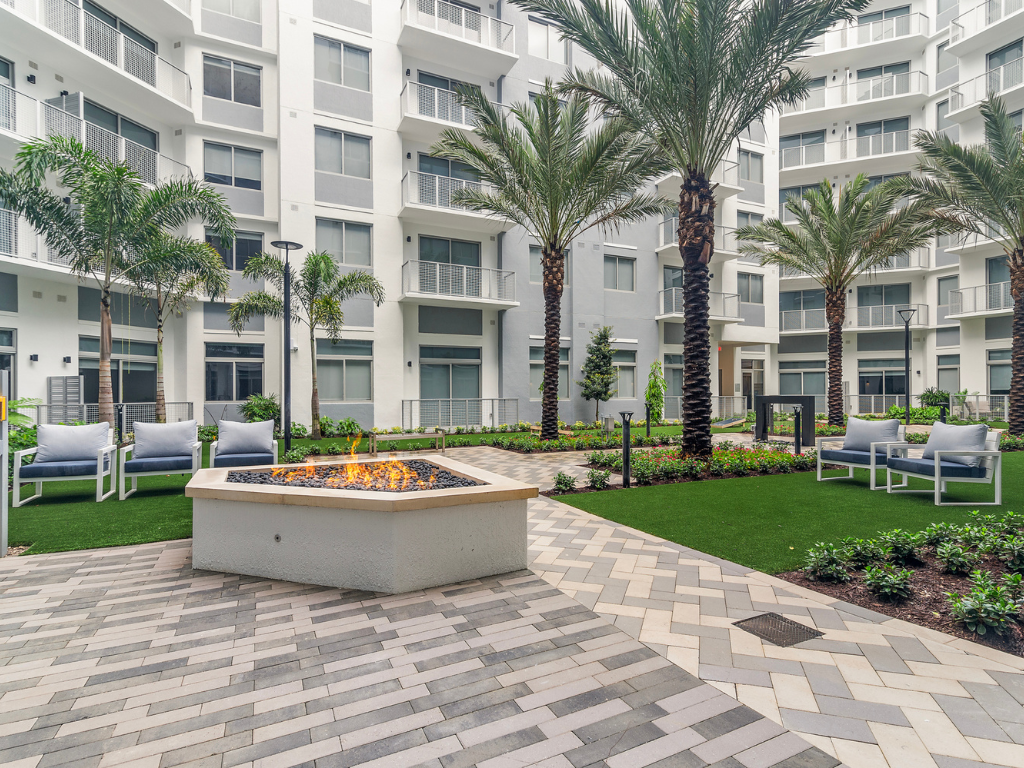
x,y
217,164
947,284
997,269
233,166
446,251
344,369
237,373
879,295
133,380
122,126
943,59
624,362
1005,55
544,41
247,84
231,81
752,166
346,241
878,127
750,287
246,244
336,62
673,277
441,380
343,153
748,219
619,273
537,372
941,111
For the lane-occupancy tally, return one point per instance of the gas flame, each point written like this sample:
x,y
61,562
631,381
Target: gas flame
x,y
391,475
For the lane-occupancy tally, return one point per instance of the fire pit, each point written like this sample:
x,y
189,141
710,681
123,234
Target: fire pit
x,y
382,526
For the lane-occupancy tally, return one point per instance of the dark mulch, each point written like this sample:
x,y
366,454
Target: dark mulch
x,y
660,481
927,605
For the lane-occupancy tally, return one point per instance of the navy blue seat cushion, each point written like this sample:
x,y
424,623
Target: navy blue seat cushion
x,y
947,469
853,457
243,459
61,468
166,464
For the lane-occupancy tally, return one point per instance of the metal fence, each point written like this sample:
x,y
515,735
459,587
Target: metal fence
x,y
722,407
980,407
981,298
465,412
458,281
125,414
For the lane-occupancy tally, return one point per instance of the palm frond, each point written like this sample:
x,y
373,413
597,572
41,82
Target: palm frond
x,y
254,304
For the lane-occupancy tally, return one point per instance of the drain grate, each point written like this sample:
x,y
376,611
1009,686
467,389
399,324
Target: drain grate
x,y
778,629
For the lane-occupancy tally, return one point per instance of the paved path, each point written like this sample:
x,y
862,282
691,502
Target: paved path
x,y
873,691
127,656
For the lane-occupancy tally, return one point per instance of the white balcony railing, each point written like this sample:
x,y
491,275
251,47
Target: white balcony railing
x,y
461,412
458,281
993,297
436,191
802,320
459,21
670,302
725,237
915,259
86,31
888,316
846,149
435,104
995,81
850,35
860,91
727,173
981,17
19,113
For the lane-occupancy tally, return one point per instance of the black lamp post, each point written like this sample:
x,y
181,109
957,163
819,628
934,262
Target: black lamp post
x,y
626,416
906,315
286,406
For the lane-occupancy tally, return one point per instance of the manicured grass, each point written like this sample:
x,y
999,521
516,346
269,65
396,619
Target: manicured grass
x,y
768,522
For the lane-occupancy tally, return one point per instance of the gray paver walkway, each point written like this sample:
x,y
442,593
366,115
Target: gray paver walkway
x,y
873,691
127,656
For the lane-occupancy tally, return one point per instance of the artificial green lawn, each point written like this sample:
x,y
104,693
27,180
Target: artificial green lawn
x,y
768,522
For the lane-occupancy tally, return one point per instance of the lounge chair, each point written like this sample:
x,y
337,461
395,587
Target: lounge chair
x,y
67,453
242,444
159,449
953,454
865,446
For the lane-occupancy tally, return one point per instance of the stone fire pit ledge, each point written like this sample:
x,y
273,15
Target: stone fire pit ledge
x,y
379,541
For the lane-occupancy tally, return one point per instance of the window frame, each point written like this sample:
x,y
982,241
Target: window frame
x,y
343,46
617,365
234,174
749,156
534,21
564,372
118,355
209,236
344,135
749,292
231,79
345,224
120,119
209,359
617,260
345,359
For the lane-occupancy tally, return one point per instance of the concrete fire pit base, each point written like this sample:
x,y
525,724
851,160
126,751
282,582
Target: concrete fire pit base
x,y
375,541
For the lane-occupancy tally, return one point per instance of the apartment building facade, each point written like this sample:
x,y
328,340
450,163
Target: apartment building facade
x,y
314,118
899,68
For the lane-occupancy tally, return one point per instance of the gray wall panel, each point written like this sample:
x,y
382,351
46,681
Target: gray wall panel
x,y
752,314
343,190
246,202
349,13
999,327
215,318
882,340
241,30
793,345
947,337
454,320
229,113
339,100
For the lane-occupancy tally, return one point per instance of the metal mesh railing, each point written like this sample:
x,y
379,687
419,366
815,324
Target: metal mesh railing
x,y
802,320
980,407
671,302
722,407
435,103
888,316
992,297
462,412
19,114
458,280
436,191
459,21
874,404
125,414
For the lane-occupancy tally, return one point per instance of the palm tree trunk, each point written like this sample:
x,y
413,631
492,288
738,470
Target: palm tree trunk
x,y
161,401
696,245
554,282
1016,418
835,313
106,405
314,400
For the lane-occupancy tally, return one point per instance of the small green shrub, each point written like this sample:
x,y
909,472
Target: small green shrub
x,y
1014,583
458,442
1011,552
564,483
642,471
262,408
985,607
862,552
598,478
347,428
956,559
299,430
207,433
937,533
902,545
825,562
388,446
297,454
888,582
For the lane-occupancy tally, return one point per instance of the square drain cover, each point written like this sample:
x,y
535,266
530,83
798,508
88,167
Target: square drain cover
x,y
778,629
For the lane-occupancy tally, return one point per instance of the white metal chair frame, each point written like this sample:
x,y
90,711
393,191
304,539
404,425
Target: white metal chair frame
x,y
871,466
991,459
197,463
106,452
213,451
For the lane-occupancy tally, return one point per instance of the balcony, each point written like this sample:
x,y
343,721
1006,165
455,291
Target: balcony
x,y
888,35
723,307
986,25
161,82
427,199
726,244
449,34
726,176
869,154
802,320
919,258
981,301
906,87
447,285
965,98
23,118
887,316
426,111
466,412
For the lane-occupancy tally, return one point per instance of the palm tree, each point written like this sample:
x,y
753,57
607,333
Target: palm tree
x,y
692,75
978,190
174,272
112,219
836,241
319,289
553,172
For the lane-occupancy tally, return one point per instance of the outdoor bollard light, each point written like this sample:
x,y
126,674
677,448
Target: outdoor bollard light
x,y
797,444
626,416
906,315
286,406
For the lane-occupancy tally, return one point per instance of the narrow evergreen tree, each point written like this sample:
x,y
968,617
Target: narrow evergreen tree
x,y
598,374
654,397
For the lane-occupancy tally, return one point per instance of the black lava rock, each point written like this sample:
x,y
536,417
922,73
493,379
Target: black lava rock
x,y
323,475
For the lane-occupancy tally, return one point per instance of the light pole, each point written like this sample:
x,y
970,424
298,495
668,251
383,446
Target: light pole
x,y
906,315
286,405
